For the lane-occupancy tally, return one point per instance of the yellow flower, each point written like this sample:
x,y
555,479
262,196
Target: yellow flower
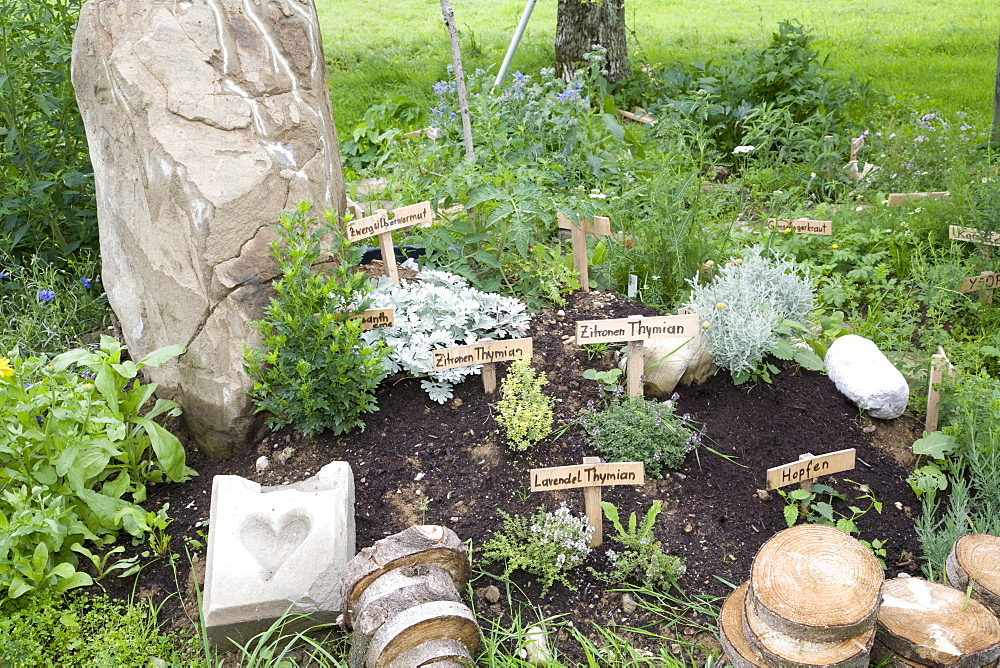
x,y
5,368
834,245
706,325
720,305
709,263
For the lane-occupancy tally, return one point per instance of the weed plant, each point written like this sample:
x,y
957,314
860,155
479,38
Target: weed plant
x,y
641,557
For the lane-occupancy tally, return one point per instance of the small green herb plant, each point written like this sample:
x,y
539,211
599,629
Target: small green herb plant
x,y
632,429
548,544
642,558
315,371
78,445
524,411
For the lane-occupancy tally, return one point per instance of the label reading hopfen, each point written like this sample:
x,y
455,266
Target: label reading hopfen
x,y
813,467
484,352
802,226
636,328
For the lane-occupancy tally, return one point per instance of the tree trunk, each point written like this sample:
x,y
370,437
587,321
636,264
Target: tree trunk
x,y
932,624
580,24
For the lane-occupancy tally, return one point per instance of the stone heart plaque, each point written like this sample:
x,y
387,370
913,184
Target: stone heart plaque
x,y
272,542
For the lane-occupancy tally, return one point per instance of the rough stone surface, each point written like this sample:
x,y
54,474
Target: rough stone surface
x,y
670,362
205,120
867,377
275,548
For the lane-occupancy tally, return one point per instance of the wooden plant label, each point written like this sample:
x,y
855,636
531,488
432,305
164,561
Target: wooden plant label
x,y
809,468
802,225
939,367
601,227
900,199
379,224
378,318
639,115
591,476
972,234
986,283
635,330
487,353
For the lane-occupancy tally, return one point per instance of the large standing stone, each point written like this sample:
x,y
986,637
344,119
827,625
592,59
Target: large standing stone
x,y
277,549
867,377
205,119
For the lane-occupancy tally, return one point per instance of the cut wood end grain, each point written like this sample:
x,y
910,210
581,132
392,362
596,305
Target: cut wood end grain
x,y
975,558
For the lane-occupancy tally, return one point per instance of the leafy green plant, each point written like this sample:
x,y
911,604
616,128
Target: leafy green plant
x,y
440,310
633,429
642,558
742,310
524,411
75,442
608,381
47,201
315,370
548,544
819,505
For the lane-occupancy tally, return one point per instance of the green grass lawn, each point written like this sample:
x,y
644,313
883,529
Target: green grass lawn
x,y
944,50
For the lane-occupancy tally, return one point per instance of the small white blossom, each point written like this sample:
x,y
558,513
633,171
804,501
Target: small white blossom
x,y
743,149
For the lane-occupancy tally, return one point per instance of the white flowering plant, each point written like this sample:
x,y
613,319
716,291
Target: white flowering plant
x,y
548,544
440,310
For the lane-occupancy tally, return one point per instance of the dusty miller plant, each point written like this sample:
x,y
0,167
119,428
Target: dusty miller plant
x,y
524,411
547,545
441,310
743,310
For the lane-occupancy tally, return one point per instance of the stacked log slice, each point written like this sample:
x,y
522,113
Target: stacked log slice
x,y
812,600
975,558
734,643
884,657
401,598
935,625
816,583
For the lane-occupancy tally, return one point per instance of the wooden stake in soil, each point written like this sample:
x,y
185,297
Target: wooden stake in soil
x,y
635,330
935,625
975,560
601,227
487,353
456,61
939,365
591,476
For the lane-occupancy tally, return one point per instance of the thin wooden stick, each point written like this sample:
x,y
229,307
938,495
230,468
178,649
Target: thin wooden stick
x,y
636,368
592,507
389,256
489,378
456,59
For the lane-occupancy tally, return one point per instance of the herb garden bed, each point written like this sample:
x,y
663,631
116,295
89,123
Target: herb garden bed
x,y
421,462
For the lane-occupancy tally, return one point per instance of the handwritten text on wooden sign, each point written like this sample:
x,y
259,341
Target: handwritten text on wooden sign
x,y
378,318
600,227
379,222
807,469
988,280
802,225
587,475
636,328
972,234
484,352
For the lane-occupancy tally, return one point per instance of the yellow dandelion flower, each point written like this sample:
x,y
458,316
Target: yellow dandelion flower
x,y
720,305
834,245
5,368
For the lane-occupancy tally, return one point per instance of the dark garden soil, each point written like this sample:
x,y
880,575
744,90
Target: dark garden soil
x,y
714,515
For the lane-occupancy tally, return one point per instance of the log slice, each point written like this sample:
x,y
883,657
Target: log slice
x,y
780,650
935,625
419,624
815,583
976,558
442,653
734,643
426,544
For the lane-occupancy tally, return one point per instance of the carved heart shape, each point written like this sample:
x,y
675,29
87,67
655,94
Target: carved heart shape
x,y
272,543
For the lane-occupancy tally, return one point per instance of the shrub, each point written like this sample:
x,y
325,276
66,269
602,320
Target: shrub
x,y
742,310
47,201
440,310
632,429
315,370
72,446
547,545
524,411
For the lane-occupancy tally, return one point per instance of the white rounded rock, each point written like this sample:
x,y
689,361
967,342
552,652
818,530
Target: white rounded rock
x,y
866,376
